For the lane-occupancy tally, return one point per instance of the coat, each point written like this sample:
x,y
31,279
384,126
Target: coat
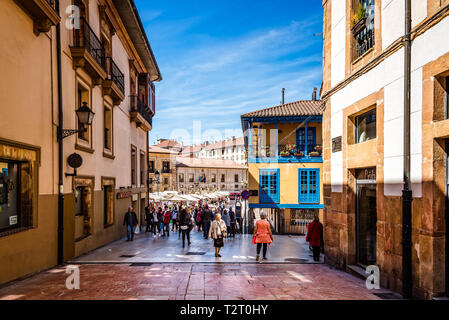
x,y
213,229
315,234
127,216
206,215
167,216
263,234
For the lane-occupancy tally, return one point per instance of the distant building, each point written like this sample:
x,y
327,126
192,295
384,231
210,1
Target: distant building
x,y
229,149
195,175
163,161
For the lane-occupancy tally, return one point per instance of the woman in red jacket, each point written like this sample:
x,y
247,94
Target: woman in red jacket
x,y
315,237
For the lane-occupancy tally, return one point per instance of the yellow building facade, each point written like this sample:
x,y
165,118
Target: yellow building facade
x,y
54,207
285,163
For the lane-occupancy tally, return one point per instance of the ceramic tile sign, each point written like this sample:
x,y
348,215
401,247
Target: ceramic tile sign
x,y
12,220
336,144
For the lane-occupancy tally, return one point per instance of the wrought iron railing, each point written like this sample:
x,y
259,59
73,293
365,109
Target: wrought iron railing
x,y
297,225
52,4
364,41
286,150
85,37
138,106
116,75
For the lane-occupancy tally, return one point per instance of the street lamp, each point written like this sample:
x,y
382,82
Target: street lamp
x,y
85,117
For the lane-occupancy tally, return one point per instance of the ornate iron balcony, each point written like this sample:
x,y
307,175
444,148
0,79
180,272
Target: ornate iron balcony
x,y
85,37
116,75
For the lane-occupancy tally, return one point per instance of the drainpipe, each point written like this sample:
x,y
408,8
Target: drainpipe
x,y
283,96
407,285
60,149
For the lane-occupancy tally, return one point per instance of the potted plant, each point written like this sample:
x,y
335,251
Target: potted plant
x,y
358,22
284,153
319,148
298,153
314,154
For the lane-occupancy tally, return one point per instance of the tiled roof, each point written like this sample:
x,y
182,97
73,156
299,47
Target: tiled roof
x,y
207,163
297,108
169,144
226,143
156,149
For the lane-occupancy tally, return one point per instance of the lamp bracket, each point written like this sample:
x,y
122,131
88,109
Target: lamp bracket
x,y
65,133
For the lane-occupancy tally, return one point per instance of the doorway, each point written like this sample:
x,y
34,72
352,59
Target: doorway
x,y
366,218
446,217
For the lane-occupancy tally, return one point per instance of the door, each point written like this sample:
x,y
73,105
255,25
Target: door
x,y
446,258
366,220
269,185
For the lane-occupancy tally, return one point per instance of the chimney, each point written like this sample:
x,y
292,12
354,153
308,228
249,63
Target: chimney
x,y
314,94
283,95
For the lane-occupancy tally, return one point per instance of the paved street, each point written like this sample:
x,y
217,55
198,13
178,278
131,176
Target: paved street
x,y
162,270
150,248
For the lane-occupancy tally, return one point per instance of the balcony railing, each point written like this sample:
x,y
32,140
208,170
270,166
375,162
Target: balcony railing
x,y
52,4
85,37
287,153
116,75
138,106
364,41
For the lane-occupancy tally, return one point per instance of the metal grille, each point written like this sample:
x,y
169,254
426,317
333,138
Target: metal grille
x,y
85,37
116,75
140,107
299,224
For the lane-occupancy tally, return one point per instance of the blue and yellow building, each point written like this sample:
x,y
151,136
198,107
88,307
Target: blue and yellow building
x,y
285,163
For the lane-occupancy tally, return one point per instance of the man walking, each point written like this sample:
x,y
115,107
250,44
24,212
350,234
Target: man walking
x,y
206,217
174,216
148,219
130,222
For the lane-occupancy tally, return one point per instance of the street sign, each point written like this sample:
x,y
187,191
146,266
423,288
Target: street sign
x,y
245,195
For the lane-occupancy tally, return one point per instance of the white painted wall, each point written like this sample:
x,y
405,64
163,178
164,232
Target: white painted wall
x,y
338,52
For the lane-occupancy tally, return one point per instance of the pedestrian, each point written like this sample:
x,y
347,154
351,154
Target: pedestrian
x,y
227,220
218,232
148,219
166,221
315,237
185,225
233,223
198,218
206,216
174,217
238,218
262,235
130,222
160,218
155,221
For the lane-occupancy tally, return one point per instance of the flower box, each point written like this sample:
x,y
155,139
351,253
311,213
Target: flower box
x,y
314,154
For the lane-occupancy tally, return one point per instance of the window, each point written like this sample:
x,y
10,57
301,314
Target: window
x,y
133,165
214,178
108,194
142,168
309,186
151,166
82,97
301,139
363,27
181,177
15,195
79,201
107,120
223,178
165,180
365,126
447,97
191,177
269,185
236,178
165,167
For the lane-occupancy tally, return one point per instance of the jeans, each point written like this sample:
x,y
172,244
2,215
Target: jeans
x,y
174,225
184,233
149,227
154,227
130,232
206,227
316,253
265,247
166,227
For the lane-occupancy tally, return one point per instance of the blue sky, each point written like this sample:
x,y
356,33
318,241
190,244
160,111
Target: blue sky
x,y
220,59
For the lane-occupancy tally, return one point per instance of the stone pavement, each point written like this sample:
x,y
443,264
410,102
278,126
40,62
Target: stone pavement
x,y
150,248
194,281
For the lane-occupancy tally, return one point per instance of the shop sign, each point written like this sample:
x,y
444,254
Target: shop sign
x,y
135,197
124,195
143,195
366,174
336,144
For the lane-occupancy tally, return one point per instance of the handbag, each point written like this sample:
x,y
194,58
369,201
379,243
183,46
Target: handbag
x,y
184,227
254,239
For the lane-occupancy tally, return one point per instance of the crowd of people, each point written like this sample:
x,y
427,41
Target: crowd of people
x,y
215,223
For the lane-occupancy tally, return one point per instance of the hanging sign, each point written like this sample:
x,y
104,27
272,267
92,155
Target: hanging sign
x,y
124,194
336,144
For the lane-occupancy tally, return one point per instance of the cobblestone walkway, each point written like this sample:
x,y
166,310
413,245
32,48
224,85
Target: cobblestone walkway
x,y
194,282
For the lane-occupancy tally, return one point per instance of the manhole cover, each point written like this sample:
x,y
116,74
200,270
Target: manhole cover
x,y
195,253
296,260
141,264
128,256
